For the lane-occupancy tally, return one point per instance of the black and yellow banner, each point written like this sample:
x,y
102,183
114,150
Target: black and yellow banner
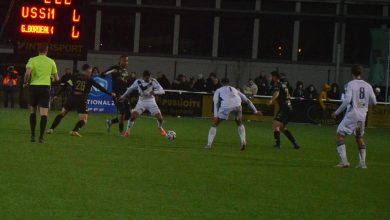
x,y
305,111
379,116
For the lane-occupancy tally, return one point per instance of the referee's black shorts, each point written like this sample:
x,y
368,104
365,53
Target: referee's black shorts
x,y
40,96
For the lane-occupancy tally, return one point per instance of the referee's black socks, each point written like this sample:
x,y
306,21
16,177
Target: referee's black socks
x,y
43,126
33,123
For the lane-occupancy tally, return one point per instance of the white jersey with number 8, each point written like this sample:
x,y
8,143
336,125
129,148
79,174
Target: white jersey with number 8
x,y
359,95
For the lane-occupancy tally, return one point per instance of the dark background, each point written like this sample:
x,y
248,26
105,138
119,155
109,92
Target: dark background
x,y
317,26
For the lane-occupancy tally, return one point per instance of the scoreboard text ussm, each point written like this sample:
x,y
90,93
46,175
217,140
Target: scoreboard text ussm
x,y
61,23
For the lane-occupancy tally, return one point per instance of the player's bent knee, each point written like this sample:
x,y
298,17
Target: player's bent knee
x,y
359,140
34,109
216,122
339,138
159,116
134,115
44,111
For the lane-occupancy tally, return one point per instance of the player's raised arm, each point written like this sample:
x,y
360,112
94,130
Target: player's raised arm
x,y
108,72
63,87
216,102
346,101
245,99
157,88
373,100
100,88
274,97
129,90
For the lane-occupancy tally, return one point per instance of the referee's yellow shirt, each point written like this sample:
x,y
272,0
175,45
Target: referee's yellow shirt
x,y
42,69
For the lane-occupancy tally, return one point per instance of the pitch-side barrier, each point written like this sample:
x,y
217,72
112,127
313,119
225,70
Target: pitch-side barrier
x,y
199,104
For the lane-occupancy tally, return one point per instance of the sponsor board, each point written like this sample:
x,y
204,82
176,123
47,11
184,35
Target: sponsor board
x,y
379,116
98,101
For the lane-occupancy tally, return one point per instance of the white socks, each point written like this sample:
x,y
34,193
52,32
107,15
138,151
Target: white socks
x,y
341,149
159,125
130,125
241,132
362,156
212,133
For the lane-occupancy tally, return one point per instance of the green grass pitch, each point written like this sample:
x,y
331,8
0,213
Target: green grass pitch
x,y
103,176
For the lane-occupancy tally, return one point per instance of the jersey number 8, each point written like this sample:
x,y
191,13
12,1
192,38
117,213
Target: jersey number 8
x,y
362,93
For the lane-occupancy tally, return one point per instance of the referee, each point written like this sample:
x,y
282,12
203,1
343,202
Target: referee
x,y
39,71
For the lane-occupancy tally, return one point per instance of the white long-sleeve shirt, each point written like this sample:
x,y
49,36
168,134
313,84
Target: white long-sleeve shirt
x,y
359,95
144,89
229,97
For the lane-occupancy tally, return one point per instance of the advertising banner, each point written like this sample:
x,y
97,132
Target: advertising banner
x,y
177,103
310,111
201,105
99,101
379,116
261,105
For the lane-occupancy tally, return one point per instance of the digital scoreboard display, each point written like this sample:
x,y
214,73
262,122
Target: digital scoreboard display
x,y
61,23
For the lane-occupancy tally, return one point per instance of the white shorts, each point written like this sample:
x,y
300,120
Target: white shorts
x,y
351,125
223,113
150,106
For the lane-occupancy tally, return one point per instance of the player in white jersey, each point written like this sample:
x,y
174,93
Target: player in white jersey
x,y
227,100
358,96
147,87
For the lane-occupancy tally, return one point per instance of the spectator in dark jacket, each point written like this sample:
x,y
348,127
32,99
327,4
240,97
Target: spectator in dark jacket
x,y
210,80
262,84
212,83
334,92
311,92
299,92
131,78
200,84
215,84
164,81
181,83
379,96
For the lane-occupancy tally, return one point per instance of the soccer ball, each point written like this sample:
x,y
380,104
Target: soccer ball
x,y
171,135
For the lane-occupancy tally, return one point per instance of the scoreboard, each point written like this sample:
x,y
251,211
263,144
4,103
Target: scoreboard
x,y
61,23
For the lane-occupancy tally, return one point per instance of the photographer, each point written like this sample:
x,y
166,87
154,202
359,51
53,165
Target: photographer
x,y
10,81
